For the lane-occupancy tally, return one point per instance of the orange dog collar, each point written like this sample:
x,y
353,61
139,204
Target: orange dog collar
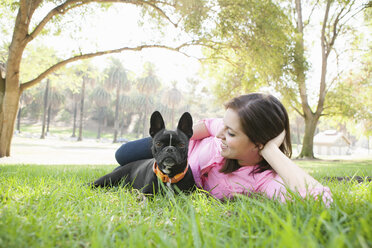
x,y
164,178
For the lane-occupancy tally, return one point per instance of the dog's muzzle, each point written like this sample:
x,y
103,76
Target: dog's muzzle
x,y
168,162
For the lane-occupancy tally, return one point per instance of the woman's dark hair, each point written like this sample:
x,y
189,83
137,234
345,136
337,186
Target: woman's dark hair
x,y
263,117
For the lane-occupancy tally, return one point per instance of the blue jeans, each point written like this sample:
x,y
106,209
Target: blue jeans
x,y
134,151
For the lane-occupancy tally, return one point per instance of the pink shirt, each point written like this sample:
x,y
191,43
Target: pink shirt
x,y
205,162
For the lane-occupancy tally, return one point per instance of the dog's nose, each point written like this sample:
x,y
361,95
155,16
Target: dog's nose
x,y
170,149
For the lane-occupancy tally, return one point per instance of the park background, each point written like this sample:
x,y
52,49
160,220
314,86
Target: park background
x,y
114,95
79,78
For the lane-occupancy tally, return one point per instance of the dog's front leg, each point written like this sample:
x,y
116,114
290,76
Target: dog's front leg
x,y
112,179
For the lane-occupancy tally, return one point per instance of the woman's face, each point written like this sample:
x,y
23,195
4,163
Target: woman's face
x,y
235,143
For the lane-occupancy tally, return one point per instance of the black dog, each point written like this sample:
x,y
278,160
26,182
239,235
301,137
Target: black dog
x,y
169,165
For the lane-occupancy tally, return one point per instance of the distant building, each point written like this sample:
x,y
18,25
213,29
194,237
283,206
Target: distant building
x,y
331,142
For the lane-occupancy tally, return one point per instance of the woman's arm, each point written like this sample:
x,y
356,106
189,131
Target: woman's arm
x,y
200,131
293,176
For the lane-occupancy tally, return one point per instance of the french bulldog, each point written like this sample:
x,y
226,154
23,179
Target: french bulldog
x,y
169,165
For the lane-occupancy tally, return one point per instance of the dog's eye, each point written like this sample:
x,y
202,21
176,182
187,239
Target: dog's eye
x,y
158,144
181,145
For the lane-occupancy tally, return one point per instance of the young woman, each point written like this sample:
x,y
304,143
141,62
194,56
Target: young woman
x,y
247,151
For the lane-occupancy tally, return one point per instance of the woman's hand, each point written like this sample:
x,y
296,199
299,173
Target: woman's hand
x,y
275,142
293,176
278,140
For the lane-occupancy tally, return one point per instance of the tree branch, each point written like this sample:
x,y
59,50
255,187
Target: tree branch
x,y
297,110
324,42
71,4
59,10
91,55
325,53
335,32
311,13
162,13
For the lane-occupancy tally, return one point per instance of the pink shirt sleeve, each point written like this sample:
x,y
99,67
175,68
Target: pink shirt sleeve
x,y
273,187
213,125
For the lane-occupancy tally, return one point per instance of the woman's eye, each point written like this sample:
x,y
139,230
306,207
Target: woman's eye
x,y
230,134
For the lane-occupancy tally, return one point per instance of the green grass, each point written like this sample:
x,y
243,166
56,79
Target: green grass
x,y
64,131
49,206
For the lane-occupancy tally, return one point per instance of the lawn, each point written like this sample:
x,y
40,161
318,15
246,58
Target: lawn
x,y
49,206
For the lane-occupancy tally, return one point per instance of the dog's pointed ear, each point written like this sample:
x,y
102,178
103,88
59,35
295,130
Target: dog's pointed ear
x,y
185,124
156,123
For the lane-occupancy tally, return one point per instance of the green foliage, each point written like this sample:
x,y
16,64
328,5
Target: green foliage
x,y
116,74
100,96
350,98
42,56
149,82
194,13
49,206
254,46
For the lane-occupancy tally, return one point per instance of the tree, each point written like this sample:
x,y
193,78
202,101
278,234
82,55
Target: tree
x,y
172,98
86,79
117,78
127,110
52,100
147,85
254,47
75,100
27,27
260,46
45,108
335,23
56,99
25,100
101,97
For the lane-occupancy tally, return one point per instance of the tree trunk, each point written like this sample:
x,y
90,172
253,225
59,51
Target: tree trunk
x,y
8,115
116,121
48,118
80,138
100,120
139,124
300,77
127,120
74,121
307,150
311,120
19,120
45,109
10,89
145,130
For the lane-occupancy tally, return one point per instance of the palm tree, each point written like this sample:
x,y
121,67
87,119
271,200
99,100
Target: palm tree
x,y
139,101
148,85
46,99
173,98
87,73
25,100
101,97
117,78
126,104
75,99
54,103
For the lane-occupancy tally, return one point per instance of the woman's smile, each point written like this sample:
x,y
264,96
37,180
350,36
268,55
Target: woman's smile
x,y
235,144
223,146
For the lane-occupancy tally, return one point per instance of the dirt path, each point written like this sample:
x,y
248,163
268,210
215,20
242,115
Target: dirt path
x,y
53,150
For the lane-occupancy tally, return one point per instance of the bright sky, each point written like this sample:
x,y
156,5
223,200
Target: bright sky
x,y
118,27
